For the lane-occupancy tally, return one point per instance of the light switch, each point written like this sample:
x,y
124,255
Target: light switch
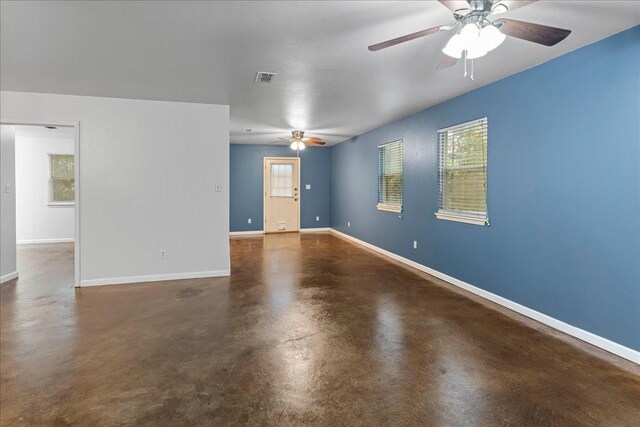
x,y
249,220
308,186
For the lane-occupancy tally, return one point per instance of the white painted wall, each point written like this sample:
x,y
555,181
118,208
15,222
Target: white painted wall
x,y
36,220
148,171
7,204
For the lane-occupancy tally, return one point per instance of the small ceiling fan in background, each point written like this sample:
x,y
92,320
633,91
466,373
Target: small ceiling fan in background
x,y
479,35
298,140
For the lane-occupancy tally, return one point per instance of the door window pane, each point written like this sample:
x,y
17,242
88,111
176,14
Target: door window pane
x,y
281,180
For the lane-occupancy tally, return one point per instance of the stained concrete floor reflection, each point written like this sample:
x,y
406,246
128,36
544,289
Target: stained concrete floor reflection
x,y
309,329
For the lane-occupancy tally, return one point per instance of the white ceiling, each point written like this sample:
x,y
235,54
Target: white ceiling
x,y
328,83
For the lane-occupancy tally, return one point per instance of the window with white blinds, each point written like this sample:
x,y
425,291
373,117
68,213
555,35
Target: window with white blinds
x,y
390,176
463,172
61,179
281,180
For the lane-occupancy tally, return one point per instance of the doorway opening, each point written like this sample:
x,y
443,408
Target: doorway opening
x,y
40,194
281,194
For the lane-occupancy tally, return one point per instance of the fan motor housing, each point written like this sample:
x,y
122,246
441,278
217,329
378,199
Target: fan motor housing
x,y
477,13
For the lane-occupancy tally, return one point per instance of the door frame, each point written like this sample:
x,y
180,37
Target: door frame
x,y
264,189
76,172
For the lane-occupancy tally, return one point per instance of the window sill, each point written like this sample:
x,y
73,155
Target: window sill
x,y
467,219
389,208
61,204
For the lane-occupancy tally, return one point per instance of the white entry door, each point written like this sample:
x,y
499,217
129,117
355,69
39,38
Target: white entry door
x,y
281,194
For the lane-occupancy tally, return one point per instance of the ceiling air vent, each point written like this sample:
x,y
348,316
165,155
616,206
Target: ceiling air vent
x,y
264,77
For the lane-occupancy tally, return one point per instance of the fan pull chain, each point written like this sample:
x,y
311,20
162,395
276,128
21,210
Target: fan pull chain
x,y
472,69
465,63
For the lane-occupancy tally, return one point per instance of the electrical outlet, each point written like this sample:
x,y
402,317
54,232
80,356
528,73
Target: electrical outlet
x,y
249,221
317,218
7,188
308,186
415,244
163,254
348,223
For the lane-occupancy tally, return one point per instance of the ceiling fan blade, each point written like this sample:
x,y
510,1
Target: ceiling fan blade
x,y
447,62
402,39
313,141
536,33
513,4
287,139
454,5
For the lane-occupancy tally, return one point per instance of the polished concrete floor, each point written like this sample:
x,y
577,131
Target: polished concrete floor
x,y
309,329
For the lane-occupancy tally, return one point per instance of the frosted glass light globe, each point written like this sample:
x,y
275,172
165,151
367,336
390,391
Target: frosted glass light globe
x,y
491,38
469,36
453,47
297,145
476,52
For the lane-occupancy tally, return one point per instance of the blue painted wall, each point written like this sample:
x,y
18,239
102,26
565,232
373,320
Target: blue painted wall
x,y
246,185
563,189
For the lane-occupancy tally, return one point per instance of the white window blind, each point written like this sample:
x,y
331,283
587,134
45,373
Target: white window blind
x,y
61,179
390,176
281,180
463,172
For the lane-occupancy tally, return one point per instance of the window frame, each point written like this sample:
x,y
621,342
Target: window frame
x,y
467,217
50,202
381,205
292,193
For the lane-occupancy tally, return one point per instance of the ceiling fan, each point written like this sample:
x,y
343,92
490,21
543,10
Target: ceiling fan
x,y
298,140
479,35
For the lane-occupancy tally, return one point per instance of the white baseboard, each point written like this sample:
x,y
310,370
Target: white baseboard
x,y
153,278
42,241
245,233
8,277
574,331
314,230
256,232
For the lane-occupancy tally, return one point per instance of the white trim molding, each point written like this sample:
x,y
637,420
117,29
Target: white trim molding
x,y
258,232
44,241
76,173
467,219
61,204
8,277
389,208
315,230
245,233
581,334
154,278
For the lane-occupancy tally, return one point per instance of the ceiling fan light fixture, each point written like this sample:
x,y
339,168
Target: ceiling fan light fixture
x,y
491,38
454,47
297,145
476,52
469,36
